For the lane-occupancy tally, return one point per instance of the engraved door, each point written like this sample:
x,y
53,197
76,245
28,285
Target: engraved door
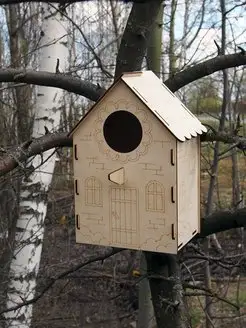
x,y
124,216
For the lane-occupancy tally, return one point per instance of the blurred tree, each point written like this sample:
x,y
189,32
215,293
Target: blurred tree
x,y
203,97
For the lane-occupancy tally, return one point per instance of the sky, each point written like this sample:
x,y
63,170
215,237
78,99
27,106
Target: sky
x,y
202,48
204,45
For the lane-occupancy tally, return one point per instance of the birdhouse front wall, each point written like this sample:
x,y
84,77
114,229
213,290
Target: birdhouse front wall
x,y
125,187
188,177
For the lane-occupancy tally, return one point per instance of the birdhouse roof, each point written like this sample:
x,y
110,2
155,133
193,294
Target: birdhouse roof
x,y
162,103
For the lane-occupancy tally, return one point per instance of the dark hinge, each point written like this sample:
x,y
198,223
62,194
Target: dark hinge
x,y
173,234
172,195
76,187
75,152
77,222
172,157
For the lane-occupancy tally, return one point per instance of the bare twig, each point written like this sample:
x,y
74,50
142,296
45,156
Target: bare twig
x,y
211,293
60,276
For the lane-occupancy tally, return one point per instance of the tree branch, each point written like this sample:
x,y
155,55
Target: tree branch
x,y
15,156
205,68
10,2
222,221
238,141
92,92
62,81
211,293
113,251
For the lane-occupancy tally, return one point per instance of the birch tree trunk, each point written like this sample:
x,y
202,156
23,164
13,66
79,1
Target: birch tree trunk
x,y
33,195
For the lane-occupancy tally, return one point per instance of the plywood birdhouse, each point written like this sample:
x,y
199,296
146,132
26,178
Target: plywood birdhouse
x,y
137,168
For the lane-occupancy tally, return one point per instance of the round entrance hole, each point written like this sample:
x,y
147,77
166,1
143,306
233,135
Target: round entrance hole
x,y
122,131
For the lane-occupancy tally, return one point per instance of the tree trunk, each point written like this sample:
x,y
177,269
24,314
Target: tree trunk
x,y
136,36
167,291
33,197
237,199
154,49
146,317
214,169
20,127
172,56
18,51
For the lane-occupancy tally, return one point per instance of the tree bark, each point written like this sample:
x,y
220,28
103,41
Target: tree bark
x,y
33,196
146,315
135,38
146,318
167,294
214,172
93,92
154,49
203,69
172,56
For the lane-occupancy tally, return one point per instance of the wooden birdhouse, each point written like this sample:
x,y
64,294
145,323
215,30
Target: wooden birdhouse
x,y
137,168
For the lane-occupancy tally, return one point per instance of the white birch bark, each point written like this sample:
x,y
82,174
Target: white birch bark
x,y
33,197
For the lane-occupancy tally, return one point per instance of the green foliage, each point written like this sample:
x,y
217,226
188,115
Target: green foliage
x,y
242,298
204,97
196,315
209,104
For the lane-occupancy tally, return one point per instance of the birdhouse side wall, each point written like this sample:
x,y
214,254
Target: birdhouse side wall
x,y
188,177
140,213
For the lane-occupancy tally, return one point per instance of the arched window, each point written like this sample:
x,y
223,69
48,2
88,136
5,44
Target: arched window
x,y
93,192
155,197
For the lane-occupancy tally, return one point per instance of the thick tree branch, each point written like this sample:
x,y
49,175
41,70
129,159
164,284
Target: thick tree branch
x,y
62,81
222,221
237,141
15,156
92,92
135,37
10,2
12,158
203,69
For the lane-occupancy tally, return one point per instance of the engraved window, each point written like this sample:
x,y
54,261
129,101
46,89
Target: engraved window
x,y
155,197
93,192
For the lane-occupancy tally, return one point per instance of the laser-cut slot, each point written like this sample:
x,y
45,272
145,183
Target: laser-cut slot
x,y
76,187
75,152
77,222
172,195
173,233
172,157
